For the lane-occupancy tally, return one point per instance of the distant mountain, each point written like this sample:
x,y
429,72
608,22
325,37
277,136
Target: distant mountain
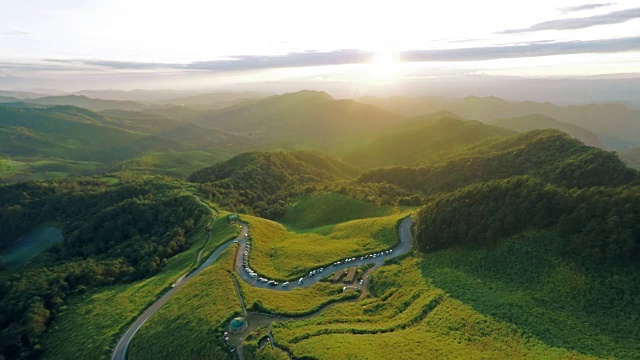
x,y
549,155
7,99
422,139
308,118
536,121
214,101
87,103
134,95
21,94
617,124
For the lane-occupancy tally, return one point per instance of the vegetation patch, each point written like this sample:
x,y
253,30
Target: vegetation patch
x,y
190,325
90,324
277,253
412,318
297,302
322,209
30,245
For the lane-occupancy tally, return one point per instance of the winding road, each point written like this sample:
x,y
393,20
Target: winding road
x,y
406,240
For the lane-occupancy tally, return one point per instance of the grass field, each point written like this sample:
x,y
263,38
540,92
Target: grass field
x,y
317,210
521,281
191,323
409,318
91,324
177,164
30,245
278,253
294,302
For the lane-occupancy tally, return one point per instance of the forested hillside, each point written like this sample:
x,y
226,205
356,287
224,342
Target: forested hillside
x,y
113,233
596,224
549,155
261,182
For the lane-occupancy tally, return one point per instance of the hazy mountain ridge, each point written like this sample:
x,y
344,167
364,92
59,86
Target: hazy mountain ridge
x,y
537,121
616,123
549,155
422,139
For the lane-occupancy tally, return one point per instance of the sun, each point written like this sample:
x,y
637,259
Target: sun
x,y
384,66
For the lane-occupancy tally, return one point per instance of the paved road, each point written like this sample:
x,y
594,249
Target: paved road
x,y
308,280
120,351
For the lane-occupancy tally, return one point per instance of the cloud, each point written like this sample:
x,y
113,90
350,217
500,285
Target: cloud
x,y
534,49
344,57
17,33
241,62
614,17
584,7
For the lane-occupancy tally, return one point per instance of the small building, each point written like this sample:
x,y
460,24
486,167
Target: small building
x,y
337,276
238,325
232,217
351,275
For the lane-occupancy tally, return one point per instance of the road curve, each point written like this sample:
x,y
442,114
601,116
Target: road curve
x,y
406,240
120,351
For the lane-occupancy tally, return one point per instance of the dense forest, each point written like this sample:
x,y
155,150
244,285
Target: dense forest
x,y
113,233
597,224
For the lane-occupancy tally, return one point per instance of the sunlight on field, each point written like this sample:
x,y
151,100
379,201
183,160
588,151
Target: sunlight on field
x,y
281,254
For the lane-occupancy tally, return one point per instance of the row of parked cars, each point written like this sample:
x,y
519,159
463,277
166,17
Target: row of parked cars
x,y
369,256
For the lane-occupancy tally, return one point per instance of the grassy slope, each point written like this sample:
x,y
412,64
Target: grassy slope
x,y
281,254
26,169
189,325
329,208
415,319
91,324
295,302
522,282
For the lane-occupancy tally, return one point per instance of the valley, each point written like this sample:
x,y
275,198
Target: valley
x,y
437,236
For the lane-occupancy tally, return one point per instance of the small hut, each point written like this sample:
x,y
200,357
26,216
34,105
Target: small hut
x,y
238,325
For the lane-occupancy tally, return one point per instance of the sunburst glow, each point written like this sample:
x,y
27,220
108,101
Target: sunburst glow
x,y
384,66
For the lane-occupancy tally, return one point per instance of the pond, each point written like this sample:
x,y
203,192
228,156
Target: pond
x,y
30,245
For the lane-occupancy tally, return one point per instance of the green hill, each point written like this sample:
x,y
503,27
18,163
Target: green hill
x,y
262,182
536,121
550,155
305,118
71,133
114,233
322,209
422,140
561,264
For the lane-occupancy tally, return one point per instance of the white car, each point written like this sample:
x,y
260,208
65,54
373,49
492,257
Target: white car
x,y
285,284
300,281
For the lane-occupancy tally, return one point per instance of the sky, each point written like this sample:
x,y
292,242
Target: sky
x,y
99,44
